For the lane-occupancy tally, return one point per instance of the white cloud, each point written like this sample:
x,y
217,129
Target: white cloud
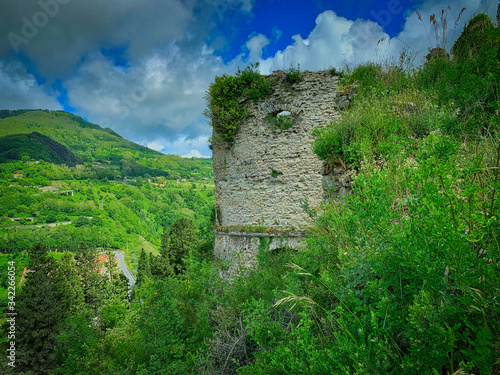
x,y
56,34
181,145
194,154
336,41
255,45
160,96
20,90
276,34
333,41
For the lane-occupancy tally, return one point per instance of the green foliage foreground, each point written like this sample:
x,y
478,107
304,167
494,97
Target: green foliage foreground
x,y
401,278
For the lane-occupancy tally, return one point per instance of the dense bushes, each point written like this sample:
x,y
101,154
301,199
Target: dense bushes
x,y
224,108
400,278
379,124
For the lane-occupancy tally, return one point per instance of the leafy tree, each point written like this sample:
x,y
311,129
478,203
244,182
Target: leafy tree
x,y
114,304
93,284
183,238
164,241
75,344
49,295
82,221
143,268
160,266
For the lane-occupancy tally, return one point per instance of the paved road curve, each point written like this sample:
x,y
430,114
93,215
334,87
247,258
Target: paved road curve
x,y
124,268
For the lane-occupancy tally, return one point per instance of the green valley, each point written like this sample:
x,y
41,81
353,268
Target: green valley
x,y
108,192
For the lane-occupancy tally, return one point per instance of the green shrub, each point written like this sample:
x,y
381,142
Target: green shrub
x,y
365,75
388,77
281,120
284,122
275,173
381,126
225,97
294,75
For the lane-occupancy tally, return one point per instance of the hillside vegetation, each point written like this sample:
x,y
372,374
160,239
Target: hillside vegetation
x,y
400,277
37,147
107,191
92,144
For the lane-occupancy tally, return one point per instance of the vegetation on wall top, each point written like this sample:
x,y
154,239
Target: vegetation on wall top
x,y
225,98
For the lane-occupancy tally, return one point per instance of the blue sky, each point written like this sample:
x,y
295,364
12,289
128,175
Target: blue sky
x,y
142,67
293,17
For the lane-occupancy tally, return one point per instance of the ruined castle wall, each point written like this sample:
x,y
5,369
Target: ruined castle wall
x,y
239,249
269,173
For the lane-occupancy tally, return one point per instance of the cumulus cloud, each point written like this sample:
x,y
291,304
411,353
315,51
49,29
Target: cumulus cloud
x,y
160,96
20,89
336,41
181,145
255,46
56,34
194,154
333,41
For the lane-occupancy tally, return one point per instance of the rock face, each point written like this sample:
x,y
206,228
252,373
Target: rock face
x,y
271,174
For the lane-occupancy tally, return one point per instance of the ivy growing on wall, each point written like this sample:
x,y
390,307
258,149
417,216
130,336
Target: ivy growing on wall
x,y
225,98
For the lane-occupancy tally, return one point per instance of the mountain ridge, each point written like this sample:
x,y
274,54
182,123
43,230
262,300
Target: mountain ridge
x,y
94,144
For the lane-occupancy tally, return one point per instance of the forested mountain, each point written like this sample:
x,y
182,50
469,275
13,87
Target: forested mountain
x,y
93,144
37,147
67,183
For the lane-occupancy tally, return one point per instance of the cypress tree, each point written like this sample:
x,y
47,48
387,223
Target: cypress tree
x,y
143,268
50,293
183,238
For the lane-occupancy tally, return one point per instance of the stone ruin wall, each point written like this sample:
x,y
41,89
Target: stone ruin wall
x,y
265,178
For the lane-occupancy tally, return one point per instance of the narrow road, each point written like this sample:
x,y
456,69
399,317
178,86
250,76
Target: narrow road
x,y
124,268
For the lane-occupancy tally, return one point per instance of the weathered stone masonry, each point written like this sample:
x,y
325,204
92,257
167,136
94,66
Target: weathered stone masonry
x,y
269,174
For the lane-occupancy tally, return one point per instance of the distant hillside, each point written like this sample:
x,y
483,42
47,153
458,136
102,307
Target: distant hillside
x,y
84,138
37,147
92,143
